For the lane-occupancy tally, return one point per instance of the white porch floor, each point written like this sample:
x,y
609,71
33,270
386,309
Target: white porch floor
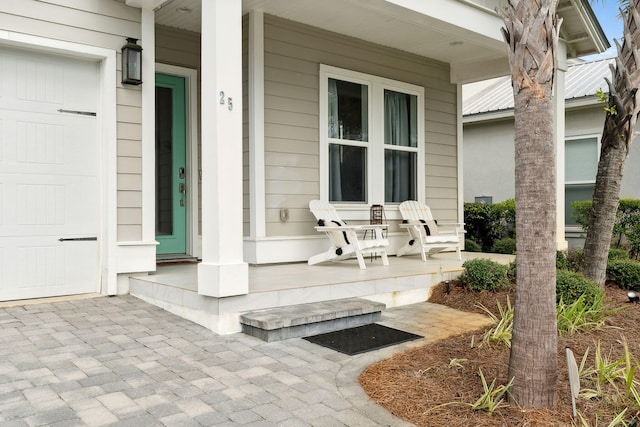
x,y
276,277
406,280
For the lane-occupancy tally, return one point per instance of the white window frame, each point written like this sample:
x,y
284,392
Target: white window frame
x,y
375,146
597,137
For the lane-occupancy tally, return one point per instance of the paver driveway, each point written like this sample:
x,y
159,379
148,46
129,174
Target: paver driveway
x,y
121,361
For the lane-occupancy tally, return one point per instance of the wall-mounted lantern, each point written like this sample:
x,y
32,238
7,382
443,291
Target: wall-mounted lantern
x,y
131,62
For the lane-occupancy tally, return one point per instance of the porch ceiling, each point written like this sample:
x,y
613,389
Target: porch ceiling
x,y
456,32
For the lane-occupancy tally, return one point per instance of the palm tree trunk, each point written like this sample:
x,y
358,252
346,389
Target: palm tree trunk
x,y
622,113
603,210
533,361
531,31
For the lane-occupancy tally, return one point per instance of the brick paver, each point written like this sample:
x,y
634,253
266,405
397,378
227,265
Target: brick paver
x,y
120,361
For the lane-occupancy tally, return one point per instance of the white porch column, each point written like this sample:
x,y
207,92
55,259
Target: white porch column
x,y
222,271
148,126
559,123
256,124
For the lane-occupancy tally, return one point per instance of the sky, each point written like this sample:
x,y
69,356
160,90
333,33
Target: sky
x,y
607,12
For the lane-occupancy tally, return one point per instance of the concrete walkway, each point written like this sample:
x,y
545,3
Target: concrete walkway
x,y
121,361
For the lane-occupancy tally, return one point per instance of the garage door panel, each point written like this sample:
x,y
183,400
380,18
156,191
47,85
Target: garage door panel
x,y
47,143
31,81
48,176
48,205
42,268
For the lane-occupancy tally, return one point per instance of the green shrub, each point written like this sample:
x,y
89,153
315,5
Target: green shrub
x,y
570,286
503,219
618,254
625,273
626,228
487,223
471,246
477,222
627,223
512,270
575,259
561,261
633,237
484,274
504,246
581,212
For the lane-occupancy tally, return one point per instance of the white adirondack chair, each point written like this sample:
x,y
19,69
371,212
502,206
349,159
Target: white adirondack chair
x,y
345,242
425,234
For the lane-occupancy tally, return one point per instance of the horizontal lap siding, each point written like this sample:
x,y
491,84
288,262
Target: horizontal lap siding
x,y
293,54
102,24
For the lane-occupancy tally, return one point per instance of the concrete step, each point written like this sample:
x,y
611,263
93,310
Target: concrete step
x,y
302,320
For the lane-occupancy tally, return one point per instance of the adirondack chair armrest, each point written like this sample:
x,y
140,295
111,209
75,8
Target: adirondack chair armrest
x,y
338,227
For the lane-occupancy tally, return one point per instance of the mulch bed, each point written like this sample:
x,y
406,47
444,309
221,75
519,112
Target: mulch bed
x,y
426,385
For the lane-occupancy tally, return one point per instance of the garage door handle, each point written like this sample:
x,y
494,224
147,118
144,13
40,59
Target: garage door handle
x,y
77,239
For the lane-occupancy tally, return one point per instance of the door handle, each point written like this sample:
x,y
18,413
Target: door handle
x,y
182,189
77,239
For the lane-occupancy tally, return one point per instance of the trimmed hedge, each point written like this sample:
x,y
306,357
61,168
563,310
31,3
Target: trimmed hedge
x,y
625,273
484,274
618,254
505,246
570,286
626,228
471,246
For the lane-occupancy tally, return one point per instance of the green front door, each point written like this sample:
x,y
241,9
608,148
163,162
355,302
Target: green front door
x,y
171,191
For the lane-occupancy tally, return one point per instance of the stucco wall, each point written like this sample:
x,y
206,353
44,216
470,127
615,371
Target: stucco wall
x,y
489,155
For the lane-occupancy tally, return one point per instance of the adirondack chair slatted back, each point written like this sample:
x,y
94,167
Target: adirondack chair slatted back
x,y
413,211
326,215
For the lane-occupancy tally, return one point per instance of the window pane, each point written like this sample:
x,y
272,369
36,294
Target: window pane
x,y
164,192
348,110
581,159
400,119
347,173
575,193
399,176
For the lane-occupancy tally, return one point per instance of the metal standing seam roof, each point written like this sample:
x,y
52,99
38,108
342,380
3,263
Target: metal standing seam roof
x,y
583,79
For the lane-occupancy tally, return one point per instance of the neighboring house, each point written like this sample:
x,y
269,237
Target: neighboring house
x,y
232,132
489,151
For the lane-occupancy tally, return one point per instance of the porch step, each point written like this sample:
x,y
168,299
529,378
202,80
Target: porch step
x,y
302,320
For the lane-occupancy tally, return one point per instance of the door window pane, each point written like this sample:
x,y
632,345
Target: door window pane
x,y
348,110
347,173
400,175
164,163
400,119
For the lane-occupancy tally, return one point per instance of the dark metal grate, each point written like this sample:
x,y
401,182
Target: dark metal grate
x,y
361,339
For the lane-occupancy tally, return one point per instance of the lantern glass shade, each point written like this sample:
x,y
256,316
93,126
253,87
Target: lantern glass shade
x,y
132,62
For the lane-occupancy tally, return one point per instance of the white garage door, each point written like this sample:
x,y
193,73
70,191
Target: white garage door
x,y
48,183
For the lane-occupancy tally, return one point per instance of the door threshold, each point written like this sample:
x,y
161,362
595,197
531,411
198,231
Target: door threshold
x,y
175,258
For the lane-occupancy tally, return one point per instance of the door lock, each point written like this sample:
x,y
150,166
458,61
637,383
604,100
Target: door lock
x,y
181,174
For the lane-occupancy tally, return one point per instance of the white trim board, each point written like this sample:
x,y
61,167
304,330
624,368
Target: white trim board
x,y
191,105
